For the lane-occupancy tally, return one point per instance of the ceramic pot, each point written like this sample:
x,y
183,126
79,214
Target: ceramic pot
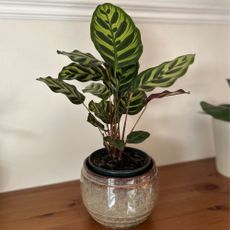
x,y
119,202
221,133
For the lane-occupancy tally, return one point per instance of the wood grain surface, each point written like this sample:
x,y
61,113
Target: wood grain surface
x,y
193,196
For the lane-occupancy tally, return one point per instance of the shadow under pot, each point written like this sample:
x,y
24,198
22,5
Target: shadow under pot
x,y
119,197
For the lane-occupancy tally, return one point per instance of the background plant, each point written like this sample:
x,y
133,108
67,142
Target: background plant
x,y
220,112
115,81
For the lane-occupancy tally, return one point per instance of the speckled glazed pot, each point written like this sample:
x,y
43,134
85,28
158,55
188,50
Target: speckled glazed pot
x,y
118,202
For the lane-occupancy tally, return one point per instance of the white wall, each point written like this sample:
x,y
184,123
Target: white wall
x,y
44,138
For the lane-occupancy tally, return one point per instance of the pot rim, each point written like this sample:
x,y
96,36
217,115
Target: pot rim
x,y
120,173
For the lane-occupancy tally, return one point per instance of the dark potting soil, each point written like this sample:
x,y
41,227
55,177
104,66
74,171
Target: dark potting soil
x,y
132,159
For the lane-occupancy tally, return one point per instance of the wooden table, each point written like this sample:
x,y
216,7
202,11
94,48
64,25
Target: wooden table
x,y
193,196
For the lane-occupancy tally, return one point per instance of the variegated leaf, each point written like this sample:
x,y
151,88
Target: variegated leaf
x,y
110,80
81,73
81,58
137,102
59,86
165,93
92,120
126,77
163,75
115,36
104,110
98,89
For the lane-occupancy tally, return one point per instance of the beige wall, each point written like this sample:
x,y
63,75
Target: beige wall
x,y
44,138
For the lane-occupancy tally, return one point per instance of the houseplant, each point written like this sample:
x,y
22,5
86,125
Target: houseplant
x,y
119,183
221,133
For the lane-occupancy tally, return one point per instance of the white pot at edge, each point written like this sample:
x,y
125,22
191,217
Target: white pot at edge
x,y
221,131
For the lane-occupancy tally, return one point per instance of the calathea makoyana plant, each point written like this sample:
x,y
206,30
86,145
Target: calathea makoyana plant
x,y
121,89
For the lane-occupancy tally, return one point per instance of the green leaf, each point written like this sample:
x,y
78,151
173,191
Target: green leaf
x,y
137,102
82,58
81,73
98,90
228,80
92,120
118,144
59,86
104,110
137,137
165,93
163,75
221,112
126,77
115,36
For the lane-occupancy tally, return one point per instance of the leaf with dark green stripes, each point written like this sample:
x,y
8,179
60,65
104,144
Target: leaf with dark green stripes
x,y
92,120
59,86
110,80
165,93
81,58
115,36
98,89
104,110
221,112
137,137
163,75
126,77
81,73
136,104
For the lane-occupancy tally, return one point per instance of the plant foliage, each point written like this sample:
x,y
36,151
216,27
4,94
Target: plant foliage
x,y
220,112
115,81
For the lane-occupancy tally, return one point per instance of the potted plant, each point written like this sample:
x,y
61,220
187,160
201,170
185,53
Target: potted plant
x,y
221,133
119,184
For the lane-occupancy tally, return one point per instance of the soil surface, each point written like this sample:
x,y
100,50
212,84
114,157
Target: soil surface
x,y
131,159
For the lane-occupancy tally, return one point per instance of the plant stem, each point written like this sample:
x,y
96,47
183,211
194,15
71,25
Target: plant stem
x,y
119,129
126,116
138,119
116,105
107,127
92,115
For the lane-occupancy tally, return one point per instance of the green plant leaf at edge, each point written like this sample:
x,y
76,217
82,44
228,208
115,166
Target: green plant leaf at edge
x,y
220,112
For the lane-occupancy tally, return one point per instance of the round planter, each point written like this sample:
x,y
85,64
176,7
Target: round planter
x,y
120,201
221,131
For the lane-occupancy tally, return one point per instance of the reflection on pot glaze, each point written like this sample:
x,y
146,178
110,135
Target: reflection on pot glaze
x,y
111,197
119,202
